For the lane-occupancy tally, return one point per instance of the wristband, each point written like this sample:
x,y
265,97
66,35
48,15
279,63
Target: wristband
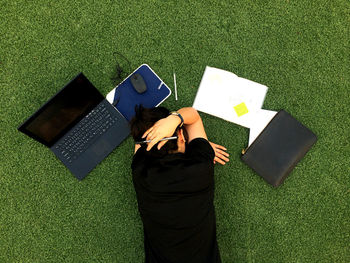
x,y
179,115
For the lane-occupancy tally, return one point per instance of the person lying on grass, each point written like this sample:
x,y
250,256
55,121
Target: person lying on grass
x,y
174,184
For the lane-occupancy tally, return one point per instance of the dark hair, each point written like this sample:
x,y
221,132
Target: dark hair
x,y
144,119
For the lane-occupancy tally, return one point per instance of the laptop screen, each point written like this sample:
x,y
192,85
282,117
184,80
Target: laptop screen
x,y
62,111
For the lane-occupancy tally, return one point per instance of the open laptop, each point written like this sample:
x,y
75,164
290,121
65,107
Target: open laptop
x,y
79,125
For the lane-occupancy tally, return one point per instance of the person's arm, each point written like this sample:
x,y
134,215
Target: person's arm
x,y
166,127
194,127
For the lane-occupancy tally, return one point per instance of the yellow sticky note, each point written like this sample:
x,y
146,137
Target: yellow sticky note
x,y
241,109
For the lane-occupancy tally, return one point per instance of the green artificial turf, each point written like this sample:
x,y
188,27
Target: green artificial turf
x,y
299,49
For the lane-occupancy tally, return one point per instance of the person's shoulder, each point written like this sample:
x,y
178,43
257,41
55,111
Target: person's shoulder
x,y
200,148
201,142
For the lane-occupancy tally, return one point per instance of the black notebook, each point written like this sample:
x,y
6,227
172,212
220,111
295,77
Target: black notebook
x,y
279,147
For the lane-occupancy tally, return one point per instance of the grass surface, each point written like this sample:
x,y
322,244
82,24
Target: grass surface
x,y
299,49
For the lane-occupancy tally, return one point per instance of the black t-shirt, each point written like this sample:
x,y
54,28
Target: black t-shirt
x,y
175,195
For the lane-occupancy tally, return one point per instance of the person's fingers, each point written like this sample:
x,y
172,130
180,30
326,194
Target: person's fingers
x,y
222,157
147,132
220,149
219,146
161,144
223,153
219,161
151,144
151,136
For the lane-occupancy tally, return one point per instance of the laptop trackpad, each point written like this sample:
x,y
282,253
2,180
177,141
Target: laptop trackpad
x,y
102,147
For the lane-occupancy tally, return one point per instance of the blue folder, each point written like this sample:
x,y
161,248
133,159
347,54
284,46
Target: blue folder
x,y
126,97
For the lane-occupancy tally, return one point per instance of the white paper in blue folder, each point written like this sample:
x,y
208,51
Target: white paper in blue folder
x,y
225,95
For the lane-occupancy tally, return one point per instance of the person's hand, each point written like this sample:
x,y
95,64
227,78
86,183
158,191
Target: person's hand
x,y
220,153
161,129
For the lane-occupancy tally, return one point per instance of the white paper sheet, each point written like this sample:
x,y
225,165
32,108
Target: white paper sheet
x,y
238,100
220,91
261,119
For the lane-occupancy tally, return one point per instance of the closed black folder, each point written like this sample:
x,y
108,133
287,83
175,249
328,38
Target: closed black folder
x,y
279,147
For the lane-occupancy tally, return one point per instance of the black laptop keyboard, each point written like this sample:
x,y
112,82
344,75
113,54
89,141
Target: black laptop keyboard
x,y
97,122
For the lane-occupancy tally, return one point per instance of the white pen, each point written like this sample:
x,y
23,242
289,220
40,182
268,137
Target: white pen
x,y
161,83
164,139
175,86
